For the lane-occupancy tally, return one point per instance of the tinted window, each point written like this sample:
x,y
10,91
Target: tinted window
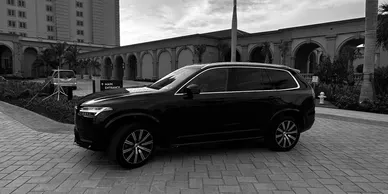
x,y
281,79
212,80
245,79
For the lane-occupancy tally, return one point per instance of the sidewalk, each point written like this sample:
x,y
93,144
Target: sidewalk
x,y
35,121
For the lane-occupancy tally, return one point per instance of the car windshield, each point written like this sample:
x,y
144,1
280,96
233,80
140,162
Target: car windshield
x,y
174,78
64,74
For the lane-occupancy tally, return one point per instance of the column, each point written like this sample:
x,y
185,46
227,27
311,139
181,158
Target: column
x,y
245,54
276,53
16,58
155,64
115,70
126,67
174,63
139,65
377,58
103,69
330,45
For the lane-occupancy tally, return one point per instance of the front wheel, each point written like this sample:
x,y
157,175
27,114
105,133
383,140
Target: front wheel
x,y
284,134
133,145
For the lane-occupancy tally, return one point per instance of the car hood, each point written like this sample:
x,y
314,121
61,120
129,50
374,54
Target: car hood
x,y
112,94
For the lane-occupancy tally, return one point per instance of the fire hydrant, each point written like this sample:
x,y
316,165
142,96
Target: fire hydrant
x,y
322,98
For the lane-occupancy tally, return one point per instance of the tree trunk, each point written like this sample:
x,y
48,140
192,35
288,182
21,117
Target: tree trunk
x,y
371,9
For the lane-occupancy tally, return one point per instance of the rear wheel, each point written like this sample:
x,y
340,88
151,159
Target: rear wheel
x,y
284,134
133,145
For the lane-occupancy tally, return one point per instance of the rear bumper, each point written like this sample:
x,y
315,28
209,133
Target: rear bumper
x,y
309,120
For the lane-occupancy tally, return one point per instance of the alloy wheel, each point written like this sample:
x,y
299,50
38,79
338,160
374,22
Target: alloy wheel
x,y
137,146
286,134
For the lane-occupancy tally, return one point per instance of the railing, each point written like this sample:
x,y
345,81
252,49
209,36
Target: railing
x,y
309,77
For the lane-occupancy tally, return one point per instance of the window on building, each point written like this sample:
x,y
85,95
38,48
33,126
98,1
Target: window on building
x,y
50,28
11,2
80,40
79,4
22,25
23,34
80,23
80,14
49,0
21,3
50,37
49,8
12,32
22,14
80,32
50,18
11,12
11,23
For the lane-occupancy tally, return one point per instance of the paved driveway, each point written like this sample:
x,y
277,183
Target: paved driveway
x,y
335,156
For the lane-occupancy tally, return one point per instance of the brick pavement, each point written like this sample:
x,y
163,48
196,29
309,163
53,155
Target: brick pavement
x,y
335,156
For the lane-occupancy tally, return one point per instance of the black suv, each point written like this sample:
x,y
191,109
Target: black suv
x,y
198,104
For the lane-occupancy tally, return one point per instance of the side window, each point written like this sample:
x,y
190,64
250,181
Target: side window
x,y
248,79
281,79
214,80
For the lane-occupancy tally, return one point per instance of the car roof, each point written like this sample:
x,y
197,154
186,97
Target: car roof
x,y
248,64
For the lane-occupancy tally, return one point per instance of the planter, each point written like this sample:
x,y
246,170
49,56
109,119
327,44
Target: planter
x,y
96,77
78,76
87,77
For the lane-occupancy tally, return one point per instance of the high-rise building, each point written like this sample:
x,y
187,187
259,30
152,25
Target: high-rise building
x,y
28,26
87,21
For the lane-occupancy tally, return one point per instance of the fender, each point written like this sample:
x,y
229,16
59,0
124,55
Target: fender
x,y
129,115
282,111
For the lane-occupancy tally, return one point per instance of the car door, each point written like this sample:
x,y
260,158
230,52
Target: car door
x,y
252,104
202,117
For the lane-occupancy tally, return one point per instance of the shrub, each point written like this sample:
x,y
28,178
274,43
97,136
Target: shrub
x,y
381,80
13,89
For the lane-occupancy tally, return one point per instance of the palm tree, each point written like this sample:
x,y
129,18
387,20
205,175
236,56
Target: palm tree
x,y
371,8
348,53
95,66
199,50
382,26
71,56
60,50
284,48
266,51
223,49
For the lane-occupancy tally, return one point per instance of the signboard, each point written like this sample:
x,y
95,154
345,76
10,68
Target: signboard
x,y
315,79
110,84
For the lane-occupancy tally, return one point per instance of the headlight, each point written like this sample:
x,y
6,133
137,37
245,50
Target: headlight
x,y
93,111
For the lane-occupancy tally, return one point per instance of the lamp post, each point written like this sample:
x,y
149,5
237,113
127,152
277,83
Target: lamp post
x,y
234,32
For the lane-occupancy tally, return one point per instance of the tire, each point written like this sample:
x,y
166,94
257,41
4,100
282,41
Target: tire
x,y
283,134
132,146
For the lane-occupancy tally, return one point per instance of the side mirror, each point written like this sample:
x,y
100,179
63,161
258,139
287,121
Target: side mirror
x,y
192,89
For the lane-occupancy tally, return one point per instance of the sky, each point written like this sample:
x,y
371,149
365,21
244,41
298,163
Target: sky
x,y
149,20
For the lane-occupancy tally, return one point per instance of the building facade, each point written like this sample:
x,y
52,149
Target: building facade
x,y
27,27
305,48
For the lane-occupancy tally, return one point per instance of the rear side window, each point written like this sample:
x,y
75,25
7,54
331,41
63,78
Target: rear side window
x,y
281,79
248,79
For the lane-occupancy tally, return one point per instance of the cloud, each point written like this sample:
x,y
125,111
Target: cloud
x,y
145,20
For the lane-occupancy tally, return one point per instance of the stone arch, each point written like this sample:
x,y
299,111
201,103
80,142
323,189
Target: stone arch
x,y
228,56
131,67
164,62
346,41
185,56
118,70
107,68
147,65
301,55
6,59
255,54
28,67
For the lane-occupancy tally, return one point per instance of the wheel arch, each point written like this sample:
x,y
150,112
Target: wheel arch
x,y
295,113
122,118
